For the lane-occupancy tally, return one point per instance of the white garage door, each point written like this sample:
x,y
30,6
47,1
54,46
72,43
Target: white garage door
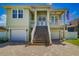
x,y
55,35
18,35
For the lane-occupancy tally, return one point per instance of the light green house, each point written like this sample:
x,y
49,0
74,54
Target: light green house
x,y
35,24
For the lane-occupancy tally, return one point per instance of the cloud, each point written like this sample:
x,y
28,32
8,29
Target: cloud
x,y
3,17
3,20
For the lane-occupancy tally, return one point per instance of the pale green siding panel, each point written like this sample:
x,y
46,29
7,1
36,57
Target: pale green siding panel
x,y
18,23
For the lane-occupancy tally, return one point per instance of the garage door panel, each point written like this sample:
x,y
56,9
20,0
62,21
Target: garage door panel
x,y
18,35
55,35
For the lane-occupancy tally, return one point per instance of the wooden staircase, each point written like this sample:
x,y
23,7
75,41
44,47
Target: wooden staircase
x,y
41,36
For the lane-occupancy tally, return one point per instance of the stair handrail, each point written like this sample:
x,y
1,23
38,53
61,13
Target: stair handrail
x,y
49,31
33,31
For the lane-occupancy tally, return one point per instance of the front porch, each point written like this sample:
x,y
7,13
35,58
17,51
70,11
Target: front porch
x,y
43,17
40,20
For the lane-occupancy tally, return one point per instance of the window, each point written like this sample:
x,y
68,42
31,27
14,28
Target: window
x,y
56,20
20,13
53,18
14,14
17,14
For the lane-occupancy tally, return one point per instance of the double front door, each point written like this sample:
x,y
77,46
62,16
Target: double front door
x,y
41,21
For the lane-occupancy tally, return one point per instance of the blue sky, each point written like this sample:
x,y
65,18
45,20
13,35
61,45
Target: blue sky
x,y
72,7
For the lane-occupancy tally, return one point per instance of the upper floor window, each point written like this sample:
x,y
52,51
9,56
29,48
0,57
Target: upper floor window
x,y
20,13
17,13
56,20
52,19
14,14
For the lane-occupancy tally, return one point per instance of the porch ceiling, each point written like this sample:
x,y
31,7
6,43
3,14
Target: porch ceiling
x,y
57,12
41,7
41,12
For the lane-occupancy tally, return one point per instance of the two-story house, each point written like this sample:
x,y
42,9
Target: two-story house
x,y
35,24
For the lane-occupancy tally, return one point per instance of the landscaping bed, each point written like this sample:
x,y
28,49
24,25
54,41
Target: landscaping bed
x,y
3,40
3,36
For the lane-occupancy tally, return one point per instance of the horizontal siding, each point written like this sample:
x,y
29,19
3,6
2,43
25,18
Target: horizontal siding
x,y
71,35
18,23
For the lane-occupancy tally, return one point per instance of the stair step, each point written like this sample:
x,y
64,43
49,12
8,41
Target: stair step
x,y
41,35
47,44
39,42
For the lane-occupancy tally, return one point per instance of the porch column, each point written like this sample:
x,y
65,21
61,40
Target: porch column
x,y
64,26
35,17
48,19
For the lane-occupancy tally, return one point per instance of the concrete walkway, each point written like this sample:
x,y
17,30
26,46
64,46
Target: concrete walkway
x,y
54,50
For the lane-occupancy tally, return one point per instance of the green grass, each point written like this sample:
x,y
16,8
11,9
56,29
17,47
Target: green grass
x,y
74,41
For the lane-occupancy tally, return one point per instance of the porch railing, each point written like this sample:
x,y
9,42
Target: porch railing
x,y
57,23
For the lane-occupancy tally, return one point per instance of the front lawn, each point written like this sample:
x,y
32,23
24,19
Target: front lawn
x,y
74,41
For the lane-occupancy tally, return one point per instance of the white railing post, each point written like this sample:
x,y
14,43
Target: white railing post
x,y
35,23
48,26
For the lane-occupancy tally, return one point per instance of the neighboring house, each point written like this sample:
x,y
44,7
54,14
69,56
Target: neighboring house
x,y
2,29
35,24
3,32
74,26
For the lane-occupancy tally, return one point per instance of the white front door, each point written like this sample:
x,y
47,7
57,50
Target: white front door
x,y
41,21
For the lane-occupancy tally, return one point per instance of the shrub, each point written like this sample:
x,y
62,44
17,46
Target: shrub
x,y
3,40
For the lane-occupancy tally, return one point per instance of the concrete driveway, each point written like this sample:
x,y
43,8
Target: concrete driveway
x,y
53,50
